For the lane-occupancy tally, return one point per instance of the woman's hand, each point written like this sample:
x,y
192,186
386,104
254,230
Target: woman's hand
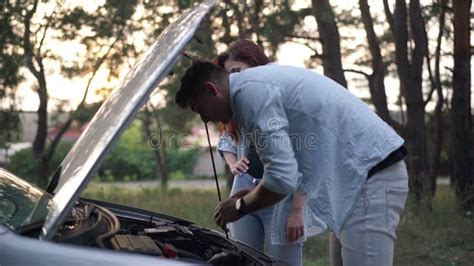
x,y
240,167
295,222
295,225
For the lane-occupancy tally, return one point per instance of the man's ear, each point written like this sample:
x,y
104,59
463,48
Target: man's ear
x,y
211,87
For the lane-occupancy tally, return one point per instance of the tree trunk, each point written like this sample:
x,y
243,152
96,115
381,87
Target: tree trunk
x,y
376,79
31,58
227,39
329,37
157,144
255,21
160,153
462,150
410,74
241,15
438,113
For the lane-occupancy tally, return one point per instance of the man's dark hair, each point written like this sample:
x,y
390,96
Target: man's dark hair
x,y
192,83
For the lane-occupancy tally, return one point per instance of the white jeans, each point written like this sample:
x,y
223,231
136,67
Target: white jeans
x,y
368,236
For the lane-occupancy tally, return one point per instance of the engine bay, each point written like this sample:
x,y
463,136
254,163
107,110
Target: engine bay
x,y
96,226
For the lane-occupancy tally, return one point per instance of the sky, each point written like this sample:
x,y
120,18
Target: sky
x,y
71,91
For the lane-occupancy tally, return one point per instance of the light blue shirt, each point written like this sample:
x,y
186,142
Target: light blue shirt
x,y
312,135
227,144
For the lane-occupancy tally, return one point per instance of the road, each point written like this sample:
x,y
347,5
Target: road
x,y
204,184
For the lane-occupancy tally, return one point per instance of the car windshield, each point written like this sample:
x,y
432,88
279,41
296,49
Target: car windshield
x,y
21,203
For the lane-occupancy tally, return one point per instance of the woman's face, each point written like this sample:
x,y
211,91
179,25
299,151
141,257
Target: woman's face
x,y
232,66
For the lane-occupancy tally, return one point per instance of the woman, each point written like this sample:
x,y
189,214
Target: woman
x,y
255,229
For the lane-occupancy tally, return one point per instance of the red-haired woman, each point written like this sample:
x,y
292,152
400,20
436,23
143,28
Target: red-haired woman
x,y
259,227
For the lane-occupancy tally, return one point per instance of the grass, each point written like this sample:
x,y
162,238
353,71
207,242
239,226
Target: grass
x,y
442,237
193,205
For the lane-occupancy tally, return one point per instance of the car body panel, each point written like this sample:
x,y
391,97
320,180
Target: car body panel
x,y
19,243
49,253
117,112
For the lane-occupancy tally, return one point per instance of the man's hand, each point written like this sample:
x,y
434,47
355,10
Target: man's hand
x,y
295,225
240,167
255,199
225,212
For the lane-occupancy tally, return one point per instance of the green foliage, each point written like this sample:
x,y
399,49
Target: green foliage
x,y
86,113
61,152
182,160
11,127
10,75
177,175
130,159
24,164
194,205
440,237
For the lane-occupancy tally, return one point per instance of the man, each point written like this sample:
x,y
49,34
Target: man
x,y
314,137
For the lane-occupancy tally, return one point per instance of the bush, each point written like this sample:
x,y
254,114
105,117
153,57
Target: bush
x,y
24,164
130,160
126,164
182,160
177,175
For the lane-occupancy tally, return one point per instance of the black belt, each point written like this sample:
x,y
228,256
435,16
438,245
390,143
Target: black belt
x,y
392,158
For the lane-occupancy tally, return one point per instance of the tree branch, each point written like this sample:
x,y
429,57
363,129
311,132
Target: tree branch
x,y
450,69
316,53
303,37
27,43
432,81
96,69
48,23
389,16
58,137
367,75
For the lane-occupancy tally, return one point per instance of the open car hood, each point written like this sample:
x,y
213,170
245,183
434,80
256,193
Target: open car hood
x,y
116,113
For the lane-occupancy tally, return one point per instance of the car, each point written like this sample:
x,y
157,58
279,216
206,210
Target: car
x,y
57,227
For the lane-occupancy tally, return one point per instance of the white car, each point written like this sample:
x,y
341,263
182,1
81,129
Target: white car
x,y
55,227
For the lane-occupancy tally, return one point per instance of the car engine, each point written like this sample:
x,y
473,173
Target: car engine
x,y
104,227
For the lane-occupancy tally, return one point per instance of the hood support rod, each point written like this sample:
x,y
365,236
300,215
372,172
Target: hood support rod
x,y
215,172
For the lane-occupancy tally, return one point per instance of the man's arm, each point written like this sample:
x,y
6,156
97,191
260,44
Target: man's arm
x,y
260,198
255,199
259,108
261,112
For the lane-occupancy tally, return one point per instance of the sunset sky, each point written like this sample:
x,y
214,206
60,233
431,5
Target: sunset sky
x,y
72,90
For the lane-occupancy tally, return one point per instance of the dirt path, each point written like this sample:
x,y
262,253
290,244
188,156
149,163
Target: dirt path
x,y
204,184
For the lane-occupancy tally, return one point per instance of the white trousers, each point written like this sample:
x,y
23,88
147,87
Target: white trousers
x,y
368,236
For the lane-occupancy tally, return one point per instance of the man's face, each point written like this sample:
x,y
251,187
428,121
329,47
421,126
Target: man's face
x,y
212,105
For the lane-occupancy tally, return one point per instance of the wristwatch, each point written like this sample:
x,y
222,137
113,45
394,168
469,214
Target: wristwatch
x,y
240,206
